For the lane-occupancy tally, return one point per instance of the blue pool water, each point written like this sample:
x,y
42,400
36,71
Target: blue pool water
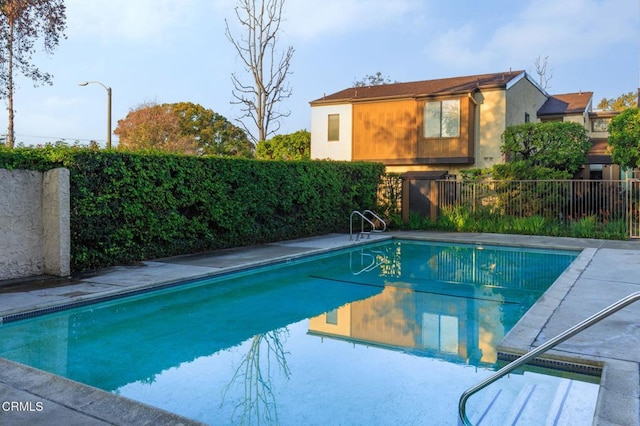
x,y
389,333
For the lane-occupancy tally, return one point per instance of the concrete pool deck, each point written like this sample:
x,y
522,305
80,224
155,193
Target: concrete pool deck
x,y
604,272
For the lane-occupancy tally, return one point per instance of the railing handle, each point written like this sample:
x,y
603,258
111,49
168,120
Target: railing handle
x,y
593,319
384,224
364,218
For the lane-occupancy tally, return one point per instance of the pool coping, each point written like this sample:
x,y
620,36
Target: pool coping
x,y
619,397
116,292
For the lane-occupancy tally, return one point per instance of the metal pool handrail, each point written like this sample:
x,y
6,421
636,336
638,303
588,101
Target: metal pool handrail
x,y
375,216
611,309
364,219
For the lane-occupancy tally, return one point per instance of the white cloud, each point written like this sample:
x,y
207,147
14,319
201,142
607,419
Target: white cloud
x,y
566,31
137,20
456,48
308,19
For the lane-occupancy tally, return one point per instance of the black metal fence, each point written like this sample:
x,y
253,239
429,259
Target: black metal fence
x,y
562,201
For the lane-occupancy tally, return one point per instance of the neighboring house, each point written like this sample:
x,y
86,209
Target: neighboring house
x,y
577,108
440,127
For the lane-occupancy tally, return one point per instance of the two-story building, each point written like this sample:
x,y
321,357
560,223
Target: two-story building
x,y
442,126
577,108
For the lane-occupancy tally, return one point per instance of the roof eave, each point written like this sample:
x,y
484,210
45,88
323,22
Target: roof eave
x,y
399,97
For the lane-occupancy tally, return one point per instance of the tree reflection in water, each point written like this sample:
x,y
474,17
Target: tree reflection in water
x,y
255,375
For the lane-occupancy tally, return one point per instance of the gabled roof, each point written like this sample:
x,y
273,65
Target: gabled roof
x,y
568,103
443,86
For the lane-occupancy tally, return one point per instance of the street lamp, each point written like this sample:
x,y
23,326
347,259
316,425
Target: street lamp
x,y
108,89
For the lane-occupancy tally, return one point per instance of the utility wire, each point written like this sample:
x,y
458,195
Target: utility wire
x,y
53,138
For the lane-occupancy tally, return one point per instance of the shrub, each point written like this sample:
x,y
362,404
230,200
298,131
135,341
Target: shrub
x,y
127,207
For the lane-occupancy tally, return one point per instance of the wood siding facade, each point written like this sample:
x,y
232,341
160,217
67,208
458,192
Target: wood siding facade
x,y
392,132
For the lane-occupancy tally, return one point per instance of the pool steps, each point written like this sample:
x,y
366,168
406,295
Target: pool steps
x,y
531,355
536,400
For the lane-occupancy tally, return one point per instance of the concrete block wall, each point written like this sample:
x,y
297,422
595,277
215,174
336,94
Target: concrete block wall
x,y
34,223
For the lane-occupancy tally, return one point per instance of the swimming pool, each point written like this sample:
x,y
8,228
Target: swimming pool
x,y
361,336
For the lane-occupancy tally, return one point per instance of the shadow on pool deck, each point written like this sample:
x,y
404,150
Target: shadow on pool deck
x,y
605,272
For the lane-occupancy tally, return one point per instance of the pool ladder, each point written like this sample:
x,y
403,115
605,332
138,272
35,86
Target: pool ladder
x,y
593,319
368,217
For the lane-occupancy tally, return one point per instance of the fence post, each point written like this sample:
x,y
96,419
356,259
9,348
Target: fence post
x,y
405,200
433,200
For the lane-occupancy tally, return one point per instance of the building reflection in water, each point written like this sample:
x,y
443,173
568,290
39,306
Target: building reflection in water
x,y
456,303
426,324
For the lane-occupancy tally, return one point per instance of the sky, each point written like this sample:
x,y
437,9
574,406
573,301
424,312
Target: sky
x,y
168,51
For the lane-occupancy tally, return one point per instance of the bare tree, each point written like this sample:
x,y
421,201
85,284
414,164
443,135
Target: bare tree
x,y
255,375
544,75
258,50
22,22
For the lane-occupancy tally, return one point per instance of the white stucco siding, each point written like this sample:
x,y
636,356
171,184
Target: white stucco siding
x,y
523,97
576,118
34,223
491,116
321,148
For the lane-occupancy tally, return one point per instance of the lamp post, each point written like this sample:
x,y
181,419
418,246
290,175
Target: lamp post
x,y
108,89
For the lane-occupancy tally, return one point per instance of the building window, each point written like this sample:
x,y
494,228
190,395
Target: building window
x,y
527,117
442,119
440,333
600,124
595,171
332,317
334,127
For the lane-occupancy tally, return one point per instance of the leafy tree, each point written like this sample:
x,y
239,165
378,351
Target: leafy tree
x,y
258,51
214,134
294,146
150,126
624,138
182,127
22,22
538,151
622,102
376,79
561,146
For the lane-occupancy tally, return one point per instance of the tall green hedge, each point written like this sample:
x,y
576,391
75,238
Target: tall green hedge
x,y
127,207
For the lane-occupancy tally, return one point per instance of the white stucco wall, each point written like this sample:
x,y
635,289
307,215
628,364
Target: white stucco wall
x,y
499,109
524,96
577,118
56,230
492,122
34,223
321,148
